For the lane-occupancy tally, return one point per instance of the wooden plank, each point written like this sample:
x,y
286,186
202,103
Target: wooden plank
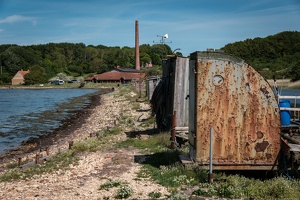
x,y
294,147
185,159
182,129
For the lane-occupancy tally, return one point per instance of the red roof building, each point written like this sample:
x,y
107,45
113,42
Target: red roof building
x,y
19,79
117,75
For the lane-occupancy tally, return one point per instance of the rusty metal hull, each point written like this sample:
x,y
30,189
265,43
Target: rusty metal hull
x,y
232,98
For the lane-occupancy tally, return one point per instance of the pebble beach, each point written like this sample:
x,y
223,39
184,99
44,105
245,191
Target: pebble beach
x,y
82,181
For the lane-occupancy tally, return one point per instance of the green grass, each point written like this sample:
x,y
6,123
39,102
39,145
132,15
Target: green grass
x,y
235,186
59,162
155,143
110,184
62,160
124,192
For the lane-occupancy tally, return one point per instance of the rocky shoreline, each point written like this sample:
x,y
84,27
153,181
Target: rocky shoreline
x,y
82,181
68,126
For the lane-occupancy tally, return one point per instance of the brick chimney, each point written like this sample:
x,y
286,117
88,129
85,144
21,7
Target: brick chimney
x,y
137,46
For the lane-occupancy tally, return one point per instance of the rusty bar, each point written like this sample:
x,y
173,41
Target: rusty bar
x,y
19,161
37,159
47,151
173,131
71,144
290,139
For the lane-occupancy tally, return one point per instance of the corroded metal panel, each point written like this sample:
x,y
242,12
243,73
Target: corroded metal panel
x,y
240,106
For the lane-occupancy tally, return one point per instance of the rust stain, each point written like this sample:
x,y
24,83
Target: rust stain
x,y
241,111
261,147
259,134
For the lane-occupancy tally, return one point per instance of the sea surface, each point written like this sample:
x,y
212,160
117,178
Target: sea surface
x,y
30,113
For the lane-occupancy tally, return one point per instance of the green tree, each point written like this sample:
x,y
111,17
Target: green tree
x,y
36,75
295,71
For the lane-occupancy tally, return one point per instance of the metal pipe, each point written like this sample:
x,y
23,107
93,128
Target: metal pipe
x,y
211,178
173,131
290,139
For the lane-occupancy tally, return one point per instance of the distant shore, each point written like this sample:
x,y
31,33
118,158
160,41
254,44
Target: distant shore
x,y
284,83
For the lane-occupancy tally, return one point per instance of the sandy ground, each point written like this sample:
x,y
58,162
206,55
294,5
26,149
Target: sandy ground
x,y
83,181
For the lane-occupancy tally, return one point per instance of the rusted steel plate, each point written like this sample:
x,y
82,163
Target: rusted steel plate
x,y
240,106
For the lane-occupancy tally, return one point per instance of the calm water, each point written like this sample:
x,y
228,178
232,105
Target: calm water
x,y
28,113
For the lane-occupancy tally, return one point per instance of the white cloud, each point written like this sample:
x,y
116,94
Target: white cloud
x,y
18,18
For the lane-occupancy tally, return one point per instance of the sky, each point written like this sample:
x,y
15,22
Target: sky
x,y
191,25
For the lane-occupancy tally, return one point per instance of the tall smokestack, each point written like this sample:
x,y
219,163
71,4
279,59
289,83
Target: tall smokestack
x,y
137,46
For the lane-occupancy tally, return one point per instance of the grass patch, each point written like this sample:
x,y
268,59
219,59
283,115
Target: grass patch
x,y
62,160
154,195
124,192
110,184
150,122
59,162
235,186
155,143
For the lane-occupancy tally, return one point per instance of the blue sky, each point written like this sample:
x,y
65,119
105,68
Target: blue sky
x,y
192,25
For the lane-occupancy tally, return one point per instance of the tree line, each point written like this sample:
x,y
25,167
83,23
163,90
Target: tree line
x,y
47,60
276,55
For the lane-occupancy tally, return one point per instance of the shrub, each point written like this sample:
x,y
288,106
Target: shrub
x,y
154,195
124,192
110,184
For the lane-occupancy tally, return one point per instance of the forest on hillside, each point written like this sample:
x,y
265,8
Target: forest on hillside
x,y
47,60
277,55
